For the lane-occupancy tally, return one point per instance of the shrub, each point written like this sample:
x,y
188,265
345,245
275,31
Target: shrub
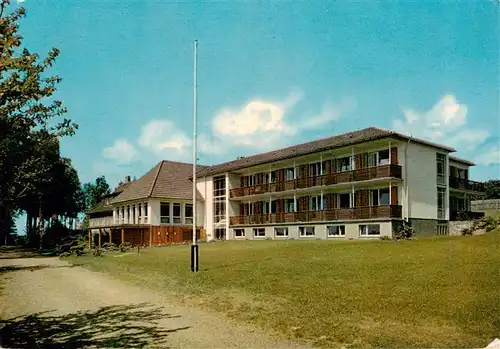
x,y
467,231
405,232
385,238
109,246
124,247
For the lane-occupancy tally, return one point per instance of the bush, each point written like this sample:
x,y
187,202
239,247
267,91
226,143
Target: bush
x,y
72,245
467,231
109,246
488,223
405,232
385,238
124,247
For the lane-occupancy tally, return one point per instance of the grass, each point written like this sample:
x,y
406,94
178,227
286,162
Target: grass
x,y
431,292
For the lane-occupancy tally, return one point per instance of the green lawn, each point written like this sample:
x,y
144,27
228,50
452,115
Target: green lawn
x,y
431,292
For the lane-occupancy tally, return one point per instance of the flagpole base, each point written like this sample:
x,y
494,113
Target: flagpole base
x,y
194,258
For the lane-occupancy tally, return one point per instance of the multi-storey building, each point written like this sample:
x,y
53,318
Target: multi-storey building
x,y
360,184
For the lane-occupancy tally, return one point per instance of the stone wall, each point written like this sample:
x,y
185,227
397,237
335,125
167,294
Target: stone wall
x,y
424,227
456,227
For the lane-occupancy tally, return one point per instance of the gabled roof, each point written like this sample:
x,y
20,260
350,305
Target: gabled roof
x,y
462,161
342,140
168,179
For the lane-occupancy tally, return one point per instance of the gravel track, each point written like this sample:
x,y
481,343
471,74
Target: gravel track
x,y
47,303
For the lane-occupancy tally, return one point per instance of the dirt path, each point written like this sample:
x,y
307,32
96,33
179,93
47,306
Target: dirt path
x,y
46,303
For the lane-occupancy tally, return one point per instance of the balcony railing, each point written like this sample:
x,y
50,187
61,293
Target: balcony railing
x,y
385,171
465,184
389,211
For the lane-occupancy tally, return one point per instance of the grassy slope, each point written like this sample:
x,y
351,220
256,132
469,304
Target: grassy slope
x,y
435,292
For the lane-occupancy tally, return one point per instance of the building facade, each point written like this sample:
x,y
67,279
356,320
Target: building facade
x,y
156,209
362,184
358,185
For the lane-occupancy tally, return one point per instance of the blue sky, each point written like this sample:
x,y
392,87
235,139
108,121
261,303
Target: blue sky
x,y
287,72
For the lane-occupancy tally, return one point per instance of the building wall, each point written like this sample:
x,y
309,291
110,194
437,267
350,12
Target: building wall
x,y
421,187
351,231
206,188
154,206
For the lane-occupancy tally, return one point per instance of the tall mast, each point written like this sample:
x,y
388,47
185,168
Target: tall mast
x,y
194,247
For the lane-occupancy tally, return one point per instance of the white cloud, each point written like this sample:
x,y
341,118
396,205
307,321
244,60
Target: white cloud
x,y
258,123
445,122
263,124
163,137
490,157
20,1
329,112
122,151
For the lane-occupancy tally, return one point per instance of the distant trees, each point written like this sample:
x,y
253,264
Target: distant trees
x,y
94,192
492,188
33,176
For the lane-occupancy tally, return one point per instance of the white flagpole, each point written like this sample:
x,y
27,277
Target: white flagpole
x,y
194,247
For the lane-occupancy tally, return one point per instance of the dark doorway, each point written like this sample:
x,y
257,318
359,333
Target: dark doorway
x,y
220,233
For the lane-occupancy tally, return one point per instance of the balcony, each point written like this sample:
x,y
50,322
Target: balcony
x,y
364,174
389,211
465,184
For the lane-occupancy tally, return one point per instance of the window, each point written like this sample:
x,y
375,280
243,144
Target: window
x,y
440,168
336,230
248,209
273,177
289,205
132,220
380,197
239,233
273,206
369,229
344,164
164,213
177,213
281,232
379,158
259,232
315,203
188,213
220,186
317,169
128,215
372,159
290,173
219,209
139,213
145,208
117,214
441,193
249,181
344,200
306,231
265,207
383,157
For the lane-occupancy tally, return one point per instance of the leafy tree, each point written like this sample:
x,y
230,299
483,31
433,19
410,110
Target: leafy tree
x,y
492,188
95,192
27,117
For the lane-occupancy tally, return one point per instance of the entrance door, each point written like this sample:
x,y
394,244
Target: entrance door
x,y
220,233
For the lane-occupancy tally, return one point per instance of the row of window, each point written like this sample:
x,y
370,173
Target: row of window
x,y
344,164
170,213
132,214
309,231
377,197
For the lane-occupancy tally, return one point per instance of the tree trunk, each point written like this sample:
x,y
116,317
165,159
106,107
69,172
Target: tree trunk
x,y
29,221
41,230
